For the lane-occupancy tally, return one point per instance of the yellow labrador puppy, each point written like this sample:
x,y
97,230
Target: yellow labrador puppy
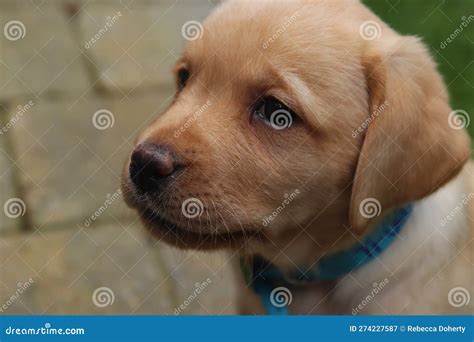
x,y
316,144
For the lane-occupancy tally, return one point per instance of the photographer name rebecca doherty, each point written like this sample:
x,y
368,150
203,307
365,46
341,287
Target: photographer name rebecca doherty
x,y
439,328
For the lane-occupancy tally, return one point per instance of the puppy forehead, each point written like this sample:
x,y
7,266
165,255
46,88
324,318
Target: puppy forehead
x,y
257,36
241,29
299,45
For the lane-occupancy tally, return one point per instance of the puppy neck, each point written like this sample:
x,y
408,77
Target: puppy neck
x,y
429,217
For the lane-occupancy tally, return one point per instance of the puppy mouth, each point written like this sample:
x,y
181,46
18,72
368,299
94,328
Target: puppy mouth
x,y
187,237
181,237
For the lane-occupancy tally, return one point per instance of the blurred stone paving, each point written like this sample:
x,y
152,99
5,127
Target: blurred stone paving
x,y
78,80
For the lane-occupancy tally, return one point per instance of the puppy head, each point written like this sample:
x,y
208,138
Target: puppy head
x,y
260,137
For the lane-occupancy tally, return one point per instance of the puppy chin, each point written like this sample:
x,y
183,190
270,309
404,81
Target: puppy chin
x,y
183,238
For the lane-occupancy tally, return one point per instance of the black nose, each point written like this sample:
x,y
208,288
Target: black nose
x,y
150,165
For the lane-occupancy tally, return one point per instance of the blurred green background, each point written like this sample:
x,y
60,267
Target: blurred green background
x,y
435,21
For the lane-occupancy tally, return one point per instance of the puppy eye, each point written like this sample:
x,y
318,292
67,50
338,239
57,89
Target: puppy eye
x,y
183,76
274,113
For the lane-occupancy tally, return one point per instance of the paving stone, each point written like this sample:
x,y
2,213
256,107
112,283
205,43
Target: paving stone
x,y
71,169
66,267
209,272
45,59
143,42
6,186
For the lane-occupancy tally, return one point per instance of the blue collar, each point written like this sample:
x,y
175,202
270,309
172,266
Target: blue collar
x,y
266,279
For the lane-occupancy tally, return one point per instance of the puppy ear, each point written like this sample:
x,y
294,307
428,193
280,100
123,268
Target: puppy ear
x,y
410,149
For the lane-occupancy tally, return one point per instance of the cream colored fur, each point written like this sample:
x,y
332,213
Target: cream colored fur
x,y
423,265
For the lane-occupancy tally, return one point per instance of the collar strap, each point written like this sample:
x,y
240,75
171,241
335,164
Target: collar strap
x,y
264,276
